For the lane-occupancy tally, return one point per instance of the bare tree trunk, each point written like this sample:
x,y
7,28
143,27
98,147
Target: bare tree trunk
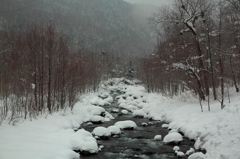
x,y
233,75
202,68
221,64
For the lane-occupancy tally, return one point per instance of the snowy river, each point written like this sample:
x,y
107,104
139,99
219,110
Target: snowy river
x,y
137,143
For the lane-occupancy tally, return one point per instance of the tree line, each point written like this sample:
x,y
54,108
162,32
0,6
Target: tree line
x,y
198,49
40,72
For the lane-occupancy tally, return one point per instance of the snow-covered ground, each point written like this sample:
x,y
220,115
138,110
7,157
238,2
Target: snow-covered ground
x,y
53,136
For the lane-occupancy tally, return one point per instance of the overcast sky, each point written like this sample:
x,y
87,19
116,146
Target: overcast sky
x,y
154,2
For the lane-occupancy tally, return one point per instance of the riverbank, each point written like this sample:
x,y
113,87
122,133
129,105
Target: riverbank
x,y
55,136
216,131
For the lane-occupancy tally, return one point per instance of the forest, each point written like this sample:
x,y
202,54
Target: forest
x,y
42,68
198,49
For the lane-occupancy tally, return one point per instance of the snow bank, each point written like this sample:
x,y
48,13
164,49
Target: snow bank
x,y
221,136
52,136
216,131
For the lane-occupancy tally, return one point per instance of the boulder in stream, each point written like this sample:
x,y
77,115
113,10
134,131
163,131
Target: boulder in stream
x,y
114,130
158,137
101,132
126,125
138,113
173,138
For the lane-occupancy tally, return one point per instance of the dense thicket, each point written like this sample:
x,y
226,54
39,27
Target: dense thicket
x,y
198,49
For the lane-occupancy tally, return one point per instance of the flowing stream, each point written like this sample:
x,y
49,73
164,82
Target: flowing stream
x,y
138,143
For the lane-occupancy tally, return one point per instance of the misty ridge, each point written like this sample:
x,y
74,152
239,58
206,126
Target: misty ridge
x,y
112,26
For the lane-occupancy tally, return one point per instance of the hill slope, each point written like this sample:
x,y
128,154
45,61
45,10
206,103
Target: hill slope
x,y
98,25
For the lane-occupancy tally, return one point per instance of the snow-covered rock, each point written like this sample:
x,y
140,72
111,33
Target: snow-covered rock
x,y
89,123
114,130
180,154
101,132
84,142
144,124
96,119
109,99
138,113
150,123
100,148
115,111
176,148
190,151
125,112
127,106
103,95
128,124
158,137
197,155
165,126
95,110
99,101
108,115
173,138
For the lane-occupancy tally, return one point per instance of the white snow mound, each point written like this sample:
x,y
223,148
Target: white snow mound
x,y
114,130
124,112
84,141
96,118
158,137
165,126
180,154
190,151
138,113
128,124
173,137
101,131
95,110
176,148
198,155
